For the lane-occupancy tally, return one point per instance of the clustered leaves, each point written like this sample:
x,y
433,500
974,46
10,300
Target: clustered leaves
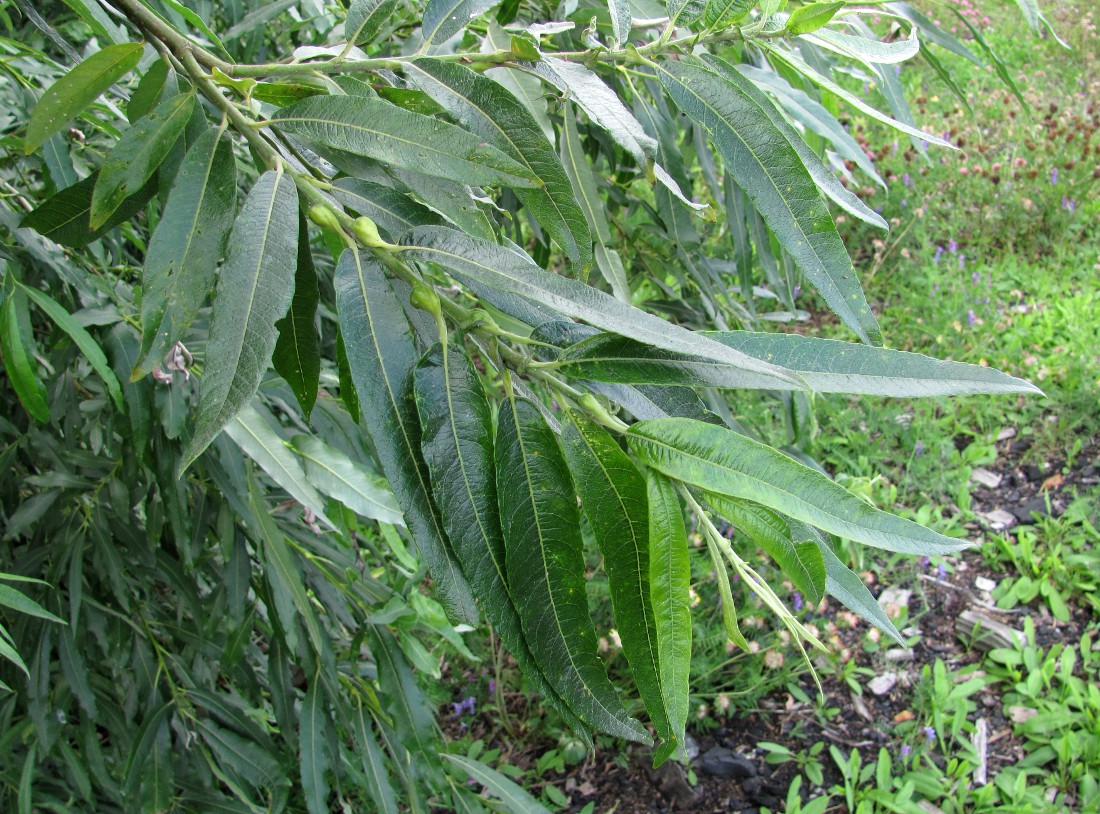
x,y
461,186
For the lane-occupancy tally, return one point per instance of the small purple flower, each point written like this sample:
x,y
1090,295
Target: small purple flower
x,y
918,450
797,291
975,278
938,255
796,601
1054,177
904,203
952,246
930,734
465,706
905,179
925,561
962,262
935,288
941,571
897,70
905,750
492,686
971,319
1069,204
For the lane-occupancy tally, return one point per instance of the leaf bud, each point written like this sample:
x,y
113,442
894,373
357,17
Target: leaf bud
x,y
367,232
324,217
423,296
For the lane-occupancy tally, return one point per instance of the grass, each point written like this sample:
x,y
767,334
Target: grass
x,y
993,259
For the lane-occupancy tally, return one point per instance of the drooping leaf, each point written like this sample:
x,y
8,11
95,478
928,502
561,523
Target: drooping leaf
x,y
184,249
251,430
514,798
601,104
499,268
374,766
800,559
843,584
621,19
64,217
381,355
314,760
385,132
812,16
391,210
19,361
615,500
768,168
542,537
148,91
724,462
445,18
338,476
139,152
255,287
297,356
487,110
365,18
866,49
67,98
685,12
458,447
81,338
669,584
930,32
404,700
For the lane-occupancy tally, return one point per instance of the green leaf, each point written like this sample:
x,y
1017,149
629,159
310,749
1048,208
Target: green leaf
x,y
831,366
242,757
71,94
21,603
867,50
297,356
195,20
514,798
186,247
721,461
811,17
81,338
504,270
488,110
998,66
601,104
339,477
365,18
800,560
148,91
411,713
142,748
616,502
720,13
621,20
685,12
255,287
377,129
348,396
64,216
374,766
669,583
843,584
251,430
800,66
458,447
18,349
391,210
445,18
139,152
381,355
314,759
542,538
766,165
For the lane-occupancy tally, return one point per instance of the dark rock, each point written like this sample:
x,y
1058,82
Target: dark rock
x,y
1035,473
722,762
1038,506
1089,471
1021,445
759,791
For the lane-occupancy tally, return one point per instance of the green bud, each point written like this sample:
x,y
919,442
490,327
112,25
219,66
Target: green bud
x,y
367,232
324,217
423,296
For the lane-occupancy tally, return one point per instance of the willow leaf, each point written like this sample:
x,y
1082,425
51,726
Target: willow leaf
x,y
411,713
297,356
445,18
381,355
376,129
374,766
720,13
139,152
64,216
458,447
514,798
335,474
844,585
469,259
67,98
186,246
800,560
542,537
17,345
488,110
724,462
314,759
669,585
391,210
616,502
365,18
767,167
255,287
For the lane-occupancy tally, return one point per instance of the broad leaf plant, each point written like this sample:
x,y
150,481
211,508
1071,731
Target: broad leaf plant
x,y
324,327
